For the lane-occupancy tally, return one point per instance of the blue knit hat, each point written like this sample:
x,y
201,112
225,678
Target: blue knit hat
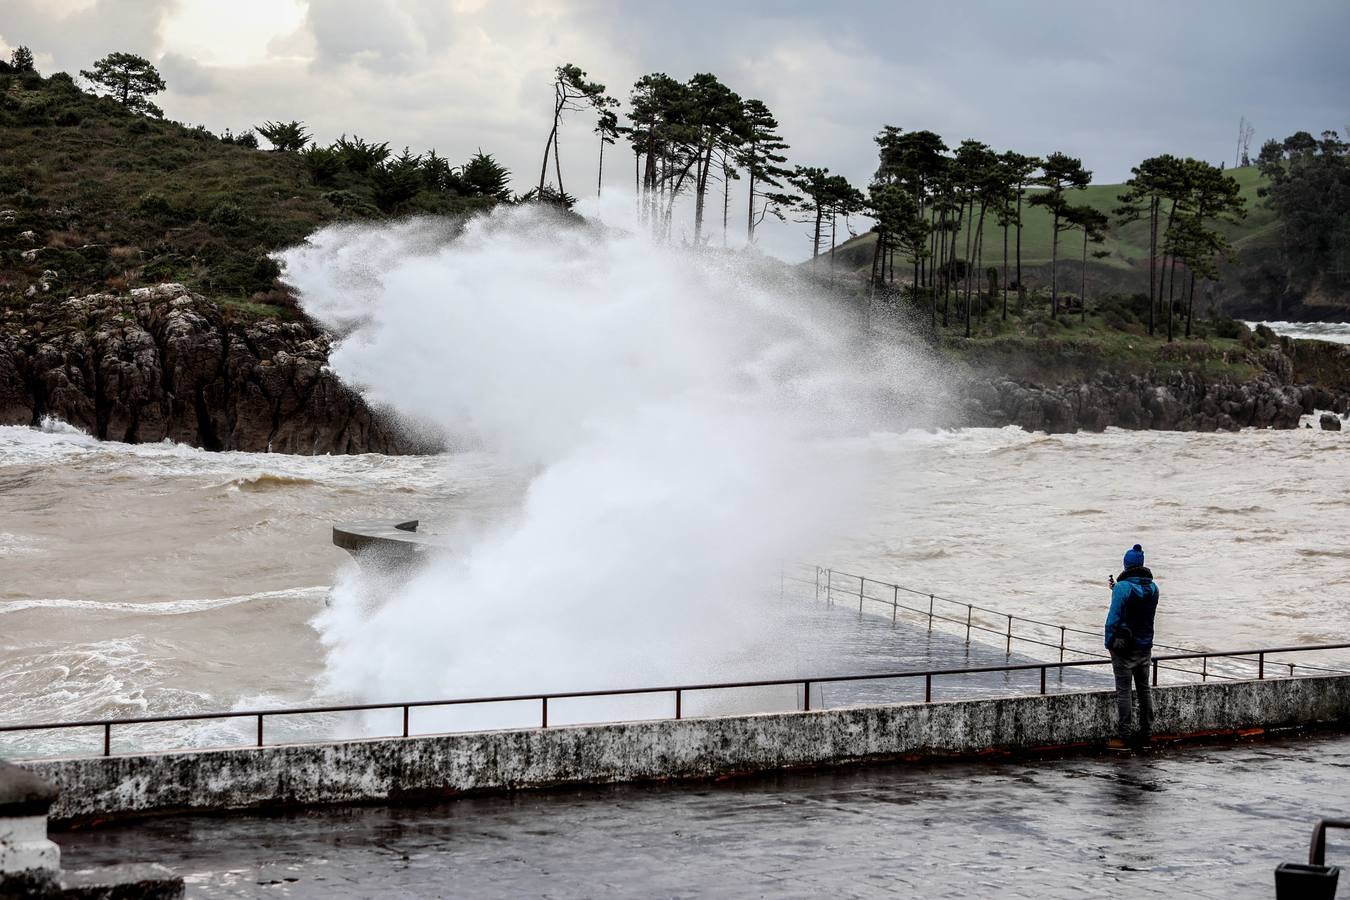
x,y
1134,557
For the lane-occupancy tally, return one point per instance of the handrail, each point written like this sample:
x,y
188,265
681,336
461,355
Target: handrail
x,y
678,690
972,624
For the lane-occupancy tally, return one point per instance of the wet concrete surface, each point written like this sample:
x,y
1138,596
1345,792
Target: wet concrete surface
x,y
1188,821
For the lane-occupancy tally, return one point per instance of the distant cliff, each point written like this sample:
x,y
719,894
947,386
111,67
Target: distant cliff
x,y
163,362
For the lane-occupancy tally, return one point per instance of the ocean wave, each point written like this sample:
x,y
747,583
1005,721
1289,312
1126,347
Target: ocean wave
x,y
164,607
267,481
1314,552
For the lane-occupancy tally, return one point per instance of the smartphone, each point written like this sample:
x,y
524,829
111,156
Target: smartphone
x,y
1111,580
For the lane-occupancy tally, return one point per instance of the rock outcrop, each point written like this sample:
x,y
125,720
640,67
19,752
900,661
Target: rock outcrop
x,y
1183,401
163,362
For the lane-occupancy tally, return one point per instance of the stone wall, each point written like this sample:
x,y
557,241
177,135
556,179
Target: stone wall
x,y
390,769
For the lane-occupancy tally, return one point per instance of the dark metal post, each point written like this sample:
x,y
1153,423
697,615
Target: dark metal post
x,y
677,702
405,720
895,604
107,739
545,699
1260,665
260,736
968,623
1155,673
1204,668
1009,650
806,692
862,586
1061,643
1291,670
930,612
928,687
1042,679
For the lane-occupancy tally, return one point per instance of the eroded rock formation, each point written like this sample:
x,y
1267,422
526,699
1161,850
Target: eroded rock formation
x,y
163,362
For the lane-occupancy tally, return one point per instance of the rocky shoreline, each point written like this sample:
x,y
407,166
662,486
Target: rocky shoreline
x,y
1184,401
163,362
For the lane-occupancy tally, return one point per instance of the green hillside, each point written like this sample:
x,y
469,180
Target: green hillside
x,y
1126,245
95,198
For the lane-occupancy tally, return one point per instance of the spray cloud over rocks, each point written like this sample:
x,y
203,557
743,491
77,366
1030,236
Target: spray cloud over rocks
x,y
675,413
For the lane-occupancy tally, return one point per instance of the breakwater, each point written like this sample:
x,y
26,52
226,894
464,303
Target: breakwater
x,y
392,769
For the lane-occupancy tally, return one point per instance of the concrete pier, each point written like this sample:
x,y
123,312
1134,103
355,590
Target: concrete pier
x,y
397,768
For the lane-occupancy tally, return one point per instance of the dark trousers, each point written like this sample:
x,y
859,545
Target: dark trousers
x,y
1132,665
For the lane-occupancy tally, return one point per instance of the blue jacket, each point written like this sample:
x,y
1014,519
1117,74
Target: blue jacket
x,y
1134,600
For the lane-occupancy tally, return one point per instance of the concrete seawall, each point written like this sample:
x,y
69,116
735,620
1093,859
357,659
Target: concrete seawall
x,y
398,768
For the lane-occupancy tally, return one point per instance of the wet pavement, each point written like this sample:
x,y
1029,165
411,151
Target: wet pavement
x,y
1189,821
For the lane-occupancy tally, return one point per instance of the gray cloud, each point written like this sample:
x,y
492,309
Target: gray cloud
x,y
1109,82
188,77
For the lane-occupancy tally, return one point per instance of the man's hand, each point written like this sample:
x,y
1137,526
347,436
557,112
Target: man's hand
x,y
1111,581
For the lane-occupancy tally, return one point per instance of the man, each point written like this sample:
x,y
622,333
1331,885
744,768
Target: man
x,y
1129,637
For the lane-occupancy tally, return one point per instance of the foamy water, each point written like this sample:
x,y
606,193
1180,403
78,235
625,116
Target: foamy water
x,y
1335,332
657,430
145,579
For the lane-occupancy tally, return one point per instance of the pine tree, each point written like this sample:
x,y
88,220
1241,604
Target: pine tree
x,y
128,78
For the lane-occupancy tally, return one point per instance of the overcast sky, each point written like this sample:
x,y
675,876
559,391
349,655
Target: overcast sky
x,y
1111,82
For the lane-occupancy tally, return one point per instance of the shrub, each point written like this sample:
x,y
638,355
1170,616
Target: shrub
x,y
323,163
226,213
1230,328
68,118
156,205
138,126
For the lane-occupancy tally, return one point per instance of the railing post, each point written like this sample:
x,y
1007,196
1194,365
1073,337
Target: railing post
x,y
405,720
1008,652
1155,673
260,733
1042,679
677,702
1204,668
928,687
1291,670
930,612
1260,665
545,710
968,608
806,693
895,604
107,739
862,587
829,585
1061,643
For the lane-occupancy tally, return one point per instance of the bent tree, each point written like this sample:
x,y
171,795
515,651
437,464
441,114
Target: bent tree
x,y
571,93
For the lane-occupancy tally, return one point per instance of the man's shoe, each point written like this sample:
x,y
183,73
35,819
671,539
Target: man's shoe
x,y
1143,740
1117,744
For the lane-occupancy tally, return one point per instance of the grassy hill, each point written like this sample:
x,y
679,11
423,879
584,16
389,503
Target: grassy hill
x,y
95,198
1125,266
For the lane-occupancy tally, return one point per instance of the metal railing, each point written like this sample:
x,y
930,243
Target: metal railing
x,y
677,693
836,586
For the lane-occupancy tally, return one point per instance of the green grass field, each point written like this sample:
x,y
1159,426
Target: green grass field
x,y
1127,245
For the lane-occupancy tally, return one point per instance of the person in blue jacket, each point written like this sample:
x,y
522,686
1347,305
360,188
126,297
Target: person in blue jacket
x,y
1129,637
